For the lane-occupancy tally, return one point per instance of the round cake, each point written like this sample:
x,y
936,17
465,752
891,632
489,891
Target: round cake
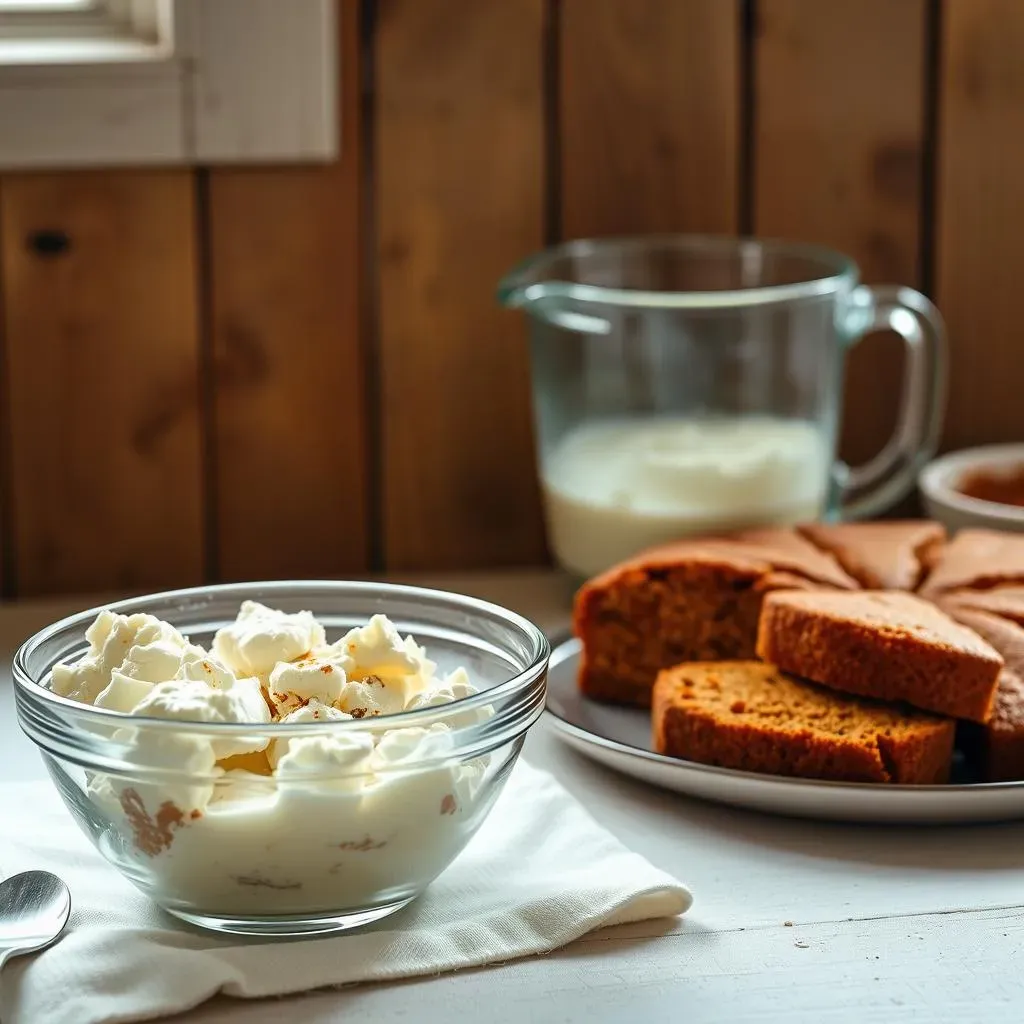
x,y
850,652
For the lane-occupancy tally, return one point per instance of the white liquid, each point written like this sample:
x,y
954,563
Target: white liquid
x,y
613,489
265,847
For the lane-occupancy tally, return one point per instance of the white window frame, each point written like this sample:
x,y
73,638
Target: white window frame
x,y
88,83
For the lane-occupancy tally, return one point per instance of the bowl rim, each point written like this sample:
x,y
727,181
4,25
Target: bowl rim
x,y
540,652
936,480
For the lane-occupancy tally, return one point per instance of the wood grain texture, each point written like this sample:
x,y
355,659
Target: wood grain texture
x,y
102,381
650,93
289,394
838,161
979,257
459,178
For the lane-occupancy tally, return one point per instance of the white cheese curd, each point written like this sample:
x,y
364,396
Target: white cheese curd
x,y
400,746
384,670
123,693
292,684
338,762
198,666
371,696
160,661
314,711
251,824
452,688
112,639
191,700
377,648
261,637
191,769
153,662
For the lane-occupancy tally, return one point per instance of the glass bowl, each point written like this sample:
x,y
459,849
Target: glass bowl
x,y
266,855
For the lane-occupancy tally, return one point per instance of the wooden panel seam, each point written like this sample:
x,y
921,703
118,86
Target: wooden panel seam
x,y
103,381
290,387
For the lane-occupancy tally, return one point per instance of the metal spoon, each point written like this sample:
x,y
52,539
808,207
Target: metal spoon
x,y
34,907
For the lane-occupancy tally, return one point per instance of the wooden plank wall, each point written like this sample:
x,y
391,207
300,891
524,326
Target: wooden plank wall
x,y
459,197
234,373
838,143
288,430
650,117
980,215
104,486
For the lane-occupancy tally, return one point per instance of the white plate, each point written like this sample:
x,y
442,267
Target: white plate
x,y
620,737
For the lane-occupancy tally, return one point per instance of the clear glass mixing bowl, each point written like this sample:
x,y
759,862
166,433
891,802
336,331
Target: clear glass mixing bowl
x,y
254,854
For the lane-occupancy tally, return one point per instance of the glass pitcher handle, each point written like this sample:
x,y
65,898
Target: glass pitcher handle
x,y
879,483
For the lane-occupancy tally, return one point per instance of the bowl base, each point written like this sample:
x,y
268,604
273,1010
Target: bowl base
x,y
289,925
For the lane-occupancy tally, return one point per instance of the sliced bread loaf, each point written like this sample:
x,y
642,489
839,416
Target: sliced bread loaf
x,y
881,556
749,715
691,601
1002,736
888,645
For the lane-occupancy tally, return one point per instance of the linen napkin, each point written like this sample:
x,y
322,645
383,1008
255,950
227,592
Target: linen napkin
x,y
539,873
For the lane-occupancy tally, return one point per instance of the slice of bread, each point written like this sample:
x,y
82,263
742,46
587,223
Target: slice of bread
x,y
787,551
1003,743
783,580
881,556
979,559
696,600
1002,736
684,602
1007,602
749,715
887,645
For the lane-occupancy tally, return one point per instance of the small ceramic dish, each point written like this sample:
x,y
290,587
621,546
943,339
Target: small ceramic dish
x,y
942,480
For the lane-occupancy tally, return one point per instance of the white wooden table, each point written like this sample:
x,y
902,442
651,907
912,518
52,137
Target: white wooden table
x,y
792,921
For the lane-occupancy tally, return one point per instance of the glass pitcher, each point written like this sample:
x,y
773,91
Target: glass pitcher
x,y
686,385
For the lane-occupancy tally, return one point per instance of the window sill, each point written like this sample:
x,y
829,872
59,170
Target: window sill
x,y
20,55
245,81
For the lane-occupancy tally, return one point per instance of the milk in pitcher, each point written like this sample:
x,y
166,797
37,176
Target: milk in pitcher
x,y
616,487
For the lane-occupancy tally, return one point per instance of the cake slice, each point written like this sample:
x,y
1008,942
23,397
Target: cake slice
x,y
881,556
888,645
1001,738
750,716
787,551
978,559
696,600
1007,602
783,580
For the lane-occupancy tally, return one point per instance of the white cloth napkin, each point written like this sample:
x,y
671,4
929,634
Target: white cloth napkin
x,y
539,873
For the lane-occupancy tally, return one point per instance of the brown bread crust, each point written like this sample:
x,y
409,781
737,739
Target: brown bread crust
x,y
892,555
978,559
637,621
690,601
1007,602
1002,736
886,645
785,550
752,717
1004,732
